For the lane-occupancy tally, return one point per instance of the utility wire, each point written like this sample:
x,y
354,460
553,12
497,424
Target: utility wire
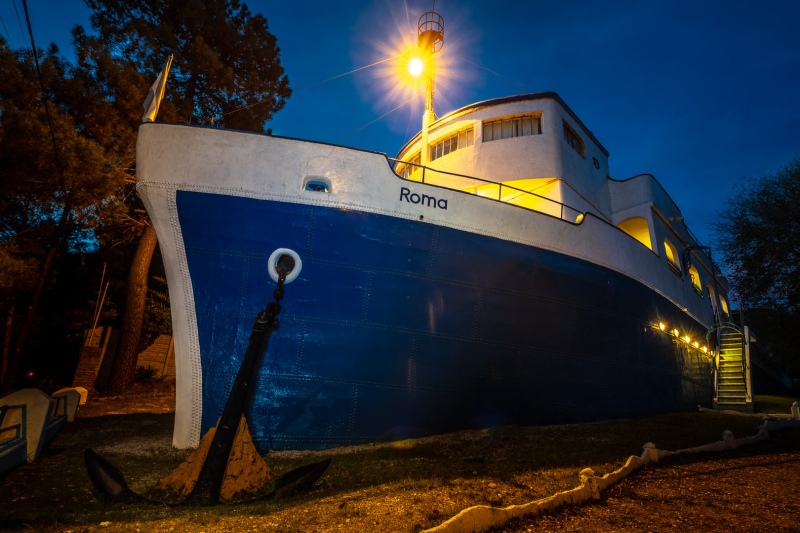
x,y
44,99
504,78
370,123
20,22
303,88
7,34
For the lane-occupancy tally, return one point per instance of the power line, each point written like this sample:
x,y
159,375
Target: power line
x,y
504,78
303,88
21,29
7,34
370,123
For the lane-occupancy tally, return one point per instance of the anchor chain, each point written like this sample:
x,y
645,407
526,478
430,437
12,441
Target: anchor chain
x,y
207,489
110,482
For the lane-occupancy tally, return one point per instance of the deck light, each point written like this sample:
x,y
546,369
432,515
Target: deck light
x,y
662,326
676,332
687,339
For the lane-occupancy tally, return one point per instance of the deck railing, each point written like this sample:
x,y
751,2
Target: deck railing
x,y
488,189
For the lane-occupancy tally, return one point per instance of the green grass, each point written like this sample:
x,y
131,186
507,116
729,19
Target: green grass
x,y
406,486
775,404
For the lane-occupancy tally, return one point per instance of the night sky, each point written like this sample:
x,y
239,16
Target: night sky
x,y
701,94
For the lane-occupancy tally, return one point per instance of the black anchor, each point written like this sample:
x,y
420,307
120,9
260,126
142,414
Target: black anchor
x,y
110,482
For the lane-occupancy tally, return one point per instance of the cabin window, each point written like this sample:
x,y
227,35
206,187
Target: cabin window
x,y
694,275
411,170
451,143
724,305
637,228
511,127
672,257
574,140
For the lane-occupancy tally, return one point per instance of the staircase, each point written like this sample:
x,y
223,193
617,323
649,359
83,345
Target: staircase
x,y
733,383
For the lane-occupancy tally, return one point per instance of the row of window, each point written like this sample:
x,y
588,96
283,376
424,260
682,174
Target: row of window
x,y
451,143
694,275
637,228
511,127
497,130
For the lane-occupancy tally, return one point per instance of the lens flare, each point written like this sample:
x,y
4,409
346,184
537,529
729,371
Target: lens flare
x,y
415,66
392,41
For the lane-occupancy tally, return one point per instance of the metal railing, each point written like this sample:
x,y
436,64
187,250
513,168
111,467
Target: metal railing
x,y
491,190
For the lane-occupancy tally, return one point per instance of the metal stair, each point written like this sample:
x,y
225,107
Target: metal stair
x,y
732,382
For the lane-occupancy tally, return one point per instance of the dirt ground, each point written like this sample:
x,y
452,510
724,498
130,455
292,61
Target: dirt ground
x,y
408,487
718,493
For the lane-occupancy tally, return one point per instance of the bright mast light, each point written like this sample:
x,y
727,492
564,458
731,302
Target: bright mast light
x,y
415,67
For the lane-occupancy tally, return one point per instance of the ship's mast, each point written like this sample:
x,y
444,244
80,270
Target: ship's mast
x,y
430,39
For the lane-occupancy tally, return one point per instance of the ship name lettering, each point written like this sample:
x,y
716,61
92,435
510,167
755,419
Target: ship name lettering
x,y
424,199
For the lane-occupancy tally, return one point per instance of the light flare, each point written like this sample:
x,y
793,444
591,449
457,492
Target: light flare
x,y
394,35
415,66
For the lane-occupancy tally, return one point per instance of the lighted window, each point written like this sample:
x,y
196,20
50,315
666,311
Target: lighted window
x,y
451,143
574,140
694,275
511,127
724,305
411,170
637,228
672,257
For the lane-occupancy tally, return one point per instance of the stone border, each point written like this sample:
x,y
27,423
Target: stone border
x,y
482,517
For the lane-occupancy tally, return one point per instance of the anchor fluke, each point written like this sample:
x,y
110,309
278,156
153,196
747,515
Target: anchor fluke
x,y
109,481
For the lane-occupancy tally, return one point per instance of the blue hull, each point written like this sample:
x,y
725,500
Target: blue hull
x,y
399,328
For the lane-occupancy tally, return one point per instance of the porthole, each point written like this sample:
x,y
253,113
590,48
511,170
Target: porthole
x,y
316,185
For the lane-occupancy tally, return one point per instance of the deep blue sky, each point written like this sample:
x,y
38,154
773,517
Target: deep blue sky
x,y
700,93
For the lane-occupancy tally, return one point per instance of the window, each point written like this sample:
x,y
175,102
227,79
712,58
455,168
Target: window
x,y
574,140
511,127
637,228
451,143
724,305
694,275
410,170
672,257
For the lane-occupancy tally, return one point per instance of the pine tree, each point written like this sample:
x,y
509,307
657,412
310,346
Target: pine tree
x,y
226,72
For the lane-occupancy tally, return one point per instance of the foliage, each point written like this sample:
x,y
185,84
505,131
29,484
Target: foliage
x,y
35,181
759,236
146,374
225,60
778,335
225,57
54,185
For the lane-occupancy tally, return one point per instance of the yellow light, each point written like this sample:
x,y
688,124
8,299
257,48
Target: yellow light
x,y
696,344
676,333
705,349
687,339
662,326
415,67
